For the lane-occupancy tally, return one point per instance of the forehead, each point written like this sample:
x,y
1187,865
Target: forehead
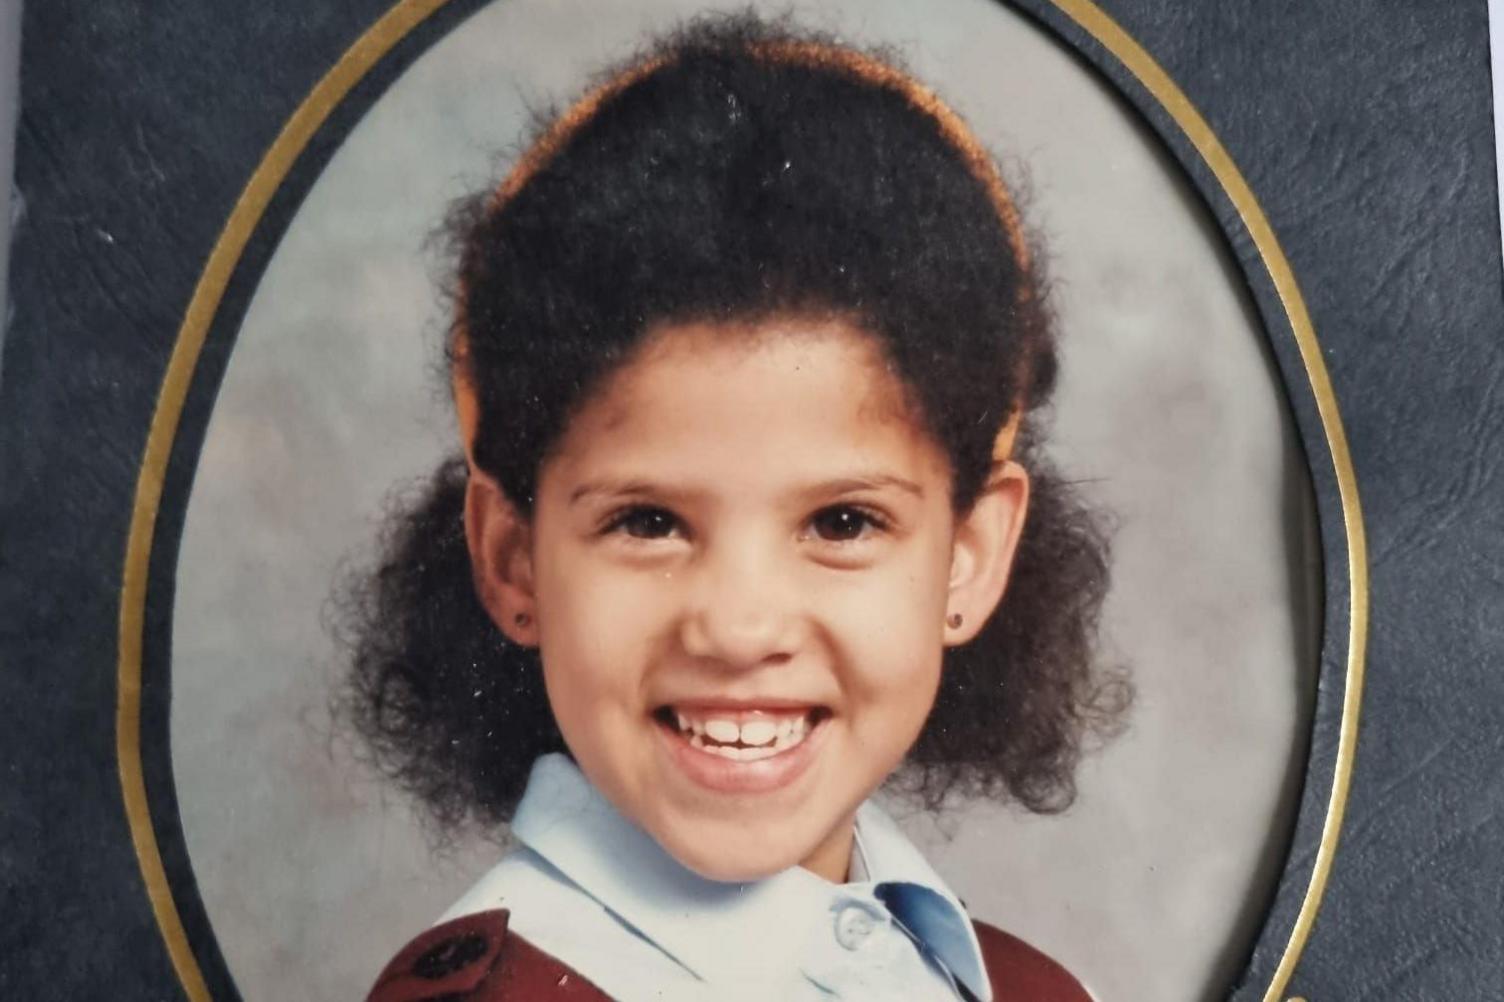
x,y
797,393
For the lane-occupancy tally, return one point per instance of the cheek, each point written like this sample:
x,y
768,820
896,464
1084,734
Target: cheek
x,y
888,627
598,627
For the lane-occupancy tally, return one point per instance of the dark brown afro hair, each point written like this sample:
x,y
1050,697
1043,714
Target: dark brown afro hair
x,y
710,179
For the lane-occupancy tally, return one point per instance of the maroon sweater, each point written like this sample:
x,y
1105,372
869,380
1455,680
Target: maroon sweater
x,y
473,958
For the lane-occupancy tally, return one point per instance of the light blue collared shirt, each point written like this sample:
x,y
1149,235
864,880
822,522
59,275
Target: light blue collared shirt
x,y
596,892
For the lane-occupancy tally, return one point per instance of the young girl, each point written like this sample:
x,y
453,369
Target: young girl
x,y
743,353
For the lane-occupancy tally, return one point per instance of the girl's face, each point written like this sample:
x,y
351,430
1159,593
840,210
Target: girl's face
x,y
739,572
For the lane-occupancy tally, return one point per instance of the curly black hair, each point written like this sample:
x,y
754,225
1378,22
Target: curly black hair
x,y
735,171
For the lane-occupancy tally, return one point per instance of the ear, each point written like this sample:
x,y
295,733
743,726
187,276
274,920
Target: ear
x,y
501,560
982,552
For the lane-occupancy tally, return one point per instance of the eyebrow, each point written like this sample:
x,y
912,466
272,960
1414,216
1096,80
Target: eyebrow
x,y
868,482
624,488
838,486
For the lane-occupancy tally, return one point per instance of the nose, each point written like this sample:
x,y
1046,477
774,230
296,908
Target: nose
x,y
743,608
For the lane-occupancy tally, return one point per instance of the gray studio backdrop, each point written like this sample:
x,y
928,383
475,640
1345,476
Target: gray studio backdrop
x,y
1150,888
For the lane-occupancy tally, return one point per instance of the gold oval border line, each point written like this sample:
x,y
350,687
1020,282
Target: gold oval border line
x,y
1155,80
305,122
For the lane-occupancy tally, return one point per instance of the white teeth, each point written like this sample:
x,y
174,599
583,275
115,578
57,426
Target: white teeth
x,y
739,754
724,731
746,741
791,734
758,732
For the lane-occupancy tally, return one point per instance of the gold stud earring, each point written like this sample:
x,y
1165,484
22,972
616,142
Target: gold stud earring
x,y
954,621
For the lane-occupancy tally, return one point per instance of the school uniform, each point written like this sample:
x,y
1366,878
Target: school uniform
x,y
589,908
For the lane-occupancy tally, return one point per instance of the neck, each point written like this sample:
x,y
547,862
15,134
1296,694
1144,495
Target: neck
x,y
831,859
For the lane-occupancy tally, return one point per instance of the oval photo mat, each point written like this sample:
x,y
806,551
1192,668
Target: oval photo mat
x,y
263,238
1172,113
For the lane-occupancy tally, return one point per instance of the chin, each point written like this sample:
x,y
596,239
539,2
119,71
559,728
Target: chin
x,y
734,857
736,871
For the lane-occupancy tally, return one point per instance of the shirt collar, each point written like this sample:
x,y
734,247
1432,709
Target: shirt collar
x,y
911,888
703,924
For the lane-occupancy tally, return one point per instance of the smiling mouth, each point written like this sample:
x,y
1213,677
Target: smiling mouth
x,y
742,736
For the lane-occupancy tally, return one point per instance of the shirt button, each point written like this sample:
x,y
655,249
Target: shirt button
x,y
853,925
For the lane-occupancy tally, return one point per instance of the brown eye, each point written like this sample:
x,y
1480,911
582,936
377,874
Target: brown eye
x,y
645,522
843,523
